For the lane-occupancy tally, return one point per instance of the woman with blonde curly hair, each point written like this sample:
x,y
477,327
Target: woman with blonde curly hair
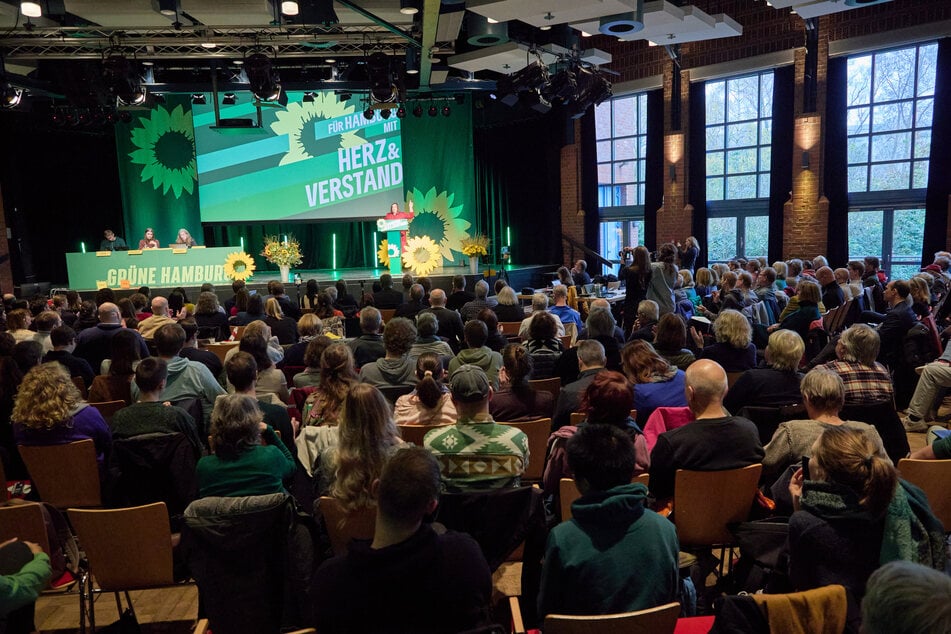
x,y
367,437
657,383
733,348
49,410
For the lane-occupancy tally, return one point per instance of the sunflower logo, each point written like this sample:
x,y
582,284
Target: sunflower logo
x,y
439,220
166,149
299,122
383,254
239,266
422,255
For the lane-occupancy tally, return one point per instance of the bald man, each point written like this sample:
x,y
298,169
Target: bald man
x,y
150,325
93,344
715,441
450,322
832,294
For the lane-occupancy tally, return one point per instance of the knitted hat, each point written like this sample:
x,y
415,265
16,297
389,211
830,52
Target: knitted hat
x,y
469,384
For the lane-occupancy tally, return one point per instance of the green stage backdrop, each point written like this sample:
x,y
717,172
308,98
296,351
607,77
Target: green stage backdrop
x,y
159,182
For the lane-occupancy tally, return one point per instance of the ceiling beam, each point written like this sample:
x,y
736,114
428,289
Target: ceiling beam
x,y
430,22
392,28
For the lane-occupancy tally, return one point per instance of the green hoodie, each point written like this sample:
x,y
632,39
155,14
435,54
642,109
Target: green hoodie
x,y
612,556
487,359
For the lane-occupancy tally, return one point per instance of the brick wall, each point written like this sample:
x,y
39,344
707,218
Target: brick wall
x,y
572,215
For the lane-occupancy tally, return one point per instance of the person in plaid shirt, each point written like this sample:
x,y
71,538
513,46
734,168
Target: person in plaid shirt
x,y
865,379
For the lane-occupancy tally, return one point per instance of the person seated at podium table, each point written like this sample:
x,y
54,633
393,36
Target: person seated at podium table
x,y
112,242
149,241
185,239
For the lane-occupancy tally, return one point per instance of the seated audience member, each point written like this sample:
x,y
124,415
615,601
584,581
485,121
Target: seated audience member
x,y
920,295
477,353
149,415
283,327
309,327
192,352
87,316
508,308
459,296
310,377
471,309
427,327
49,410
539,306
854,514
337,377
644,324
895,323
606,401
543,345
387,297
366,438
516,400
430,403
240,464
253,312
656,382
242,371
670,340
899,600
866,380
476,452
271,382
160,317
18,324
609,524
396,367
450,323
805,313
715,441
236,286
733,350
410,308
728,297
935,376
45,322
114,384
186,379
496,340
27,354
580,273
591,360
408,577
94,344
831,294
288,306
562,310
776,384
823,395
601,327
63,339
368,347
25,571
211,318
128,312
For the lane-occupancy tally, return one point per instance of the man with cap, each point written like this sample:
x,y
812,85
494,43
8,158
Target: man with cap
x,y
477,453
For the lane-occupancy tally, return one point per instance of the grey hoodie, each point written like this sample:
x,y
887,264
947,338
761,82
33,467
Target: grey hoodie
x,y
383,372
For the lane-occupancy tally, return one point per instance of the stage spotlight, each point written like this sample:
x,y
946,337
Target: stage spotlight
x,y
418,111
433,111
198,99
289,7
534,100
409,7
308,96
412,61
265,83
31,9
169,8
367,114
385,113
10,96
400,112
229,99
123,80
446,110
382,87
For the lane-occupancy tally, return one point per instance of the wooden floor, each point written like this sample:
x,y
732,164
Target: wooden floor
x,y
178,607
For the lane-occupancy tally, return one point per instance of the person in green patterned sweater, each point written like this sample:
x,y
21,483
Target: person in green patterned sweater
x,y
476,452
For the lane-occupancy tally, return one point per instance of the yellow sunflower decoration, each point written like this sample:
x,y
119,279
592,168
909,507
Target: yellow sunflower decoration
x,y
422,255
301,122
239,266
441,220
383,254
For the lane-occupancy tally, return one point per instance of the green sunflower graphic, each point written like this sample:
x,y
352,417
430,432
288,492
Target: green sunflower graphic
x,y
166,143
299,121
438,219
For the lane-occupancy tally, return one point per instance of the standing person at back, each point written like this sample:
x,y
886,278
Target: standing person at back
x,y
663,278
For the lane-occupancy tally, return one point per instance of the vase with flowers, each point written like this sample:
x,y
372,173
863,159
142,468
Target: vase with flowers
x,y
284,253
474,247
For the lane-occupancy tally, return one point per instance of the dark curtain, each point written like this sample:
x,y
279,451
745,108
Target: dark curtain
x,y
654,190
697,157
589,182
835,163
939,182
780,173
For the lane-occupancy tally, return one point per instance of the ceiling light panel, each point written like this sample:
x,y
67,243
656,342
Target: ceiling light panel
x,y
665,23
504,58
535,12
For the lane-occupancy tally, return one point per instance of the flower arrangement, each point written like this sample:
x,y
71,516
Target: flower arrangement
x,y
475,245
282,252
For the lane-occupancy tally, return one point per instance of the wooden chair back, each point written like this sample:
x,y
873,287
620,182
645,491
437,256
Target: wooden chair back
x,y
552,385
707,502
932,477
237,332
568,492
386,314
80,385
65,475
343,526
25,522
416,433
221,348
659,620
128,549
510,327
108,408
576,418
538,432
731,378
566,341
